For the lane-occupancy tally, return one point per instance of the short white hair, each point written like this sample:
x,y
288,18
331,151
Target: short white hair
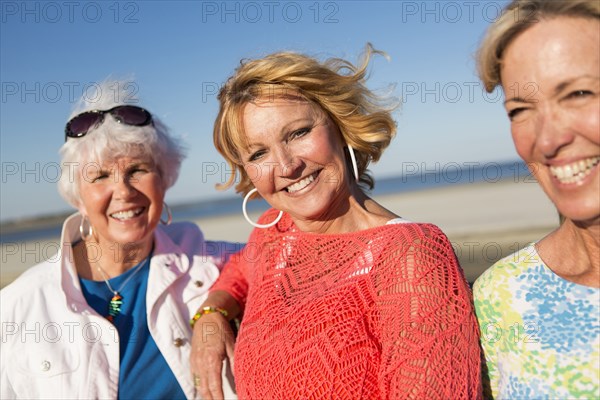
x,y
111,140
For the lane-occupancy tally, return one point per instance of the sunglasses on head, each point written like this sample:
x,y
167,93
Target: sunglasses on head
x,y
80,124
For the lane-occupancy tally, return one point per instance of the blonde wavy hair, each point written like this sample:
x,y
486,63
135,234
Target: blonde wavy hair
x,y
517,17
337,86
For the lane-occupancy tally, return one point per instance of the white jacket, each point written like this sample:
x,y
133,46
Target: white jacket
x,y
54,345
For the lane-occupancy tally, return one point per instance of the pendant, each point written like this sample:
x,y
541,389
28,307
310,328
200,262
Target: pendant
x,y
114,307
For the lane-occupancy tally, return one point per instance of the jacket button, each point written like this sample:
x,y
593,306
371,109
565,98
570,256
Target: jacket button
x,y
178,342
199,283
45,365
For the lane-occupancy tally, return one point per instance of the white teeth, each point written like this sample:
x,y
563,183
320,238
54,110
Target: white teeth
x,y
301,184
127,214
575,172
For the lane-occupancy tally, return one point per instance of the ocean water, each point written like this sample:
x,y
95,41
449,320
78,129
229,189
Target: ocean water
x,y
413,177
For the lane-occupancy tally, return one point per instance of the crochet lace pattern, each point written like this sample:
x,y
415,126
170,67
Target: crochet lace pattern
x,y
383,313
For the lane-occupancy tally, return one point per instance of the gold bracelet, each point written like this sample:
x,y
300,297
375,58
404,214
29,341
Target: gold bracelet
x,y
207,310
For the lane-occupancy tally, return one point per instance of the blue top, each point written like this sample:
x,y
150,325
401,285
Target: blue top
x,y
144,372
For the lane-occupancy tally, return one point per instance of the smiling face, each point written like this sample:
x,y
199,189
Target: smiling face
x,y
123,199
551,78
295,157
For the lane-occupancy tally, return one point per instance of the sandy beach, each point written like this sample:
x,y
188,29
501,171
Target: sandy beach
x,y
484,221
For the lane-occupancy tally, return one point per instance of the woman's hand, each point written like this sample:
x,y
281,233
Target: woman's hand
x,y
212,342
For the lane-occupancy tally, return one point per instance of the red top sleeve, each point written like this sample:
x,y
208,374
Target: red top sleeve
x,y
234,277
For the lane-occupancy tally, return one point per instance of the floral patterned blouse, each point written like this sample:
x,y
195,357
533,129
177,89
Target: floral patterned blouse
x,y
540,333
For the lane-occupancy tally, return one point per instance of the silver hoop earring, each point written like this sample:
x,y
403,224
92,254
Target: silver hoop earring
x,y
263,226
169,215
90,230
354,165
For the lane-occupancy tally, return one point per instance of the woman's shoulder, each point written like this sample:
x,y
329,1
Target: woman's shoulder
x,y
416,232
421,249
183,235
186,237
503,273
395,231
41,278
181,229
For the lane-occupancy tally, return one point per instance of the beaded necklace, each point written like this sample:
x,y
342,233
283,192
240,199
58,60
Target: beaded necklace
x,y
114,306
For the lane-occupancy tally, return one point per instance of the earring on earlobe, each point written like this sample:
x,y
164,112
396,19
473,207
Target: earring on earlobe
x,y
354,165
90,230
263,226
169,215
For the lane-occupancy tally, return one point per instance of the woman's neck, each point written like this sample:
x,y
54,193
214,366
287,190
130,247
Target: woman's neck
x,y
96,259
573,252
350,214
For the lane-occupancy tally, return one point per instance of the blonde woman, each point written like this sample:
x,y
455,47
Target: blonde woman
x,y
539,309
341,297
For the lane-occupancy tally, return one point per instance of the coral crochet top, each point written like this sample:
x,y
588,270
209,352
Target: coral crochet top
x,y
383,313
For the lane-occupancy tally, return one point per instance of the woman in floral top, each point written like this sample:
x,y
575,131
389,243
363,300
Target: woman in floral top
x,y
539,309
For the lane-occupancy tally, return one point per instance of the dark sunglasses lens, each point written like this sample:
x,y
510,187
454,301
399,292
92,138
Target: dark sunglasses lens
x,y
131,115
82,123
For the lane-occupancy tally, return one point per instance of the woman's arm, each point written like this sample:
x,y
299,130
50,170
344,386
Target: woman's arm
x,y
213,339
429,334
488,316
212,342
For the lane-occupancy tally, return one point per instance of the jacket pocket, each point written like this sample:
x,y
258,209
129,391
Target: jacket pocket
x,y
44,370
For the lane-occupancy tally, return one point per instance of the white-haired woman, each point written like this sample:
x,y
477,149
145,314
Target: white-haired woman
x,y
108,317
539,309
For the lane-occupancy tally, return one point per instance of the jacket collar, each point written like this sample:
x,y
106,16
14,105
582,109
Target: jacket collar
x,y
69,279
168,262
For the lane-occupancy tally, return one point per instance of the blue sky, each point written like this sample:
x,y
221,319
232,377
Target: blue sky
x,y
179,52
